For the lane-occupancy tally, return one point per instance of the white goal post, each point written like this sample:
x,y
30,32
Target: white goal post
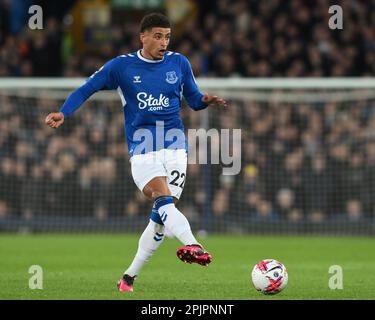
x,y
211,83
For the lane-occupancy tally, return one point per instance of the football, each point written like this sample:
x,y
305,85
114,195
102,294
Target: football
x,y
269,276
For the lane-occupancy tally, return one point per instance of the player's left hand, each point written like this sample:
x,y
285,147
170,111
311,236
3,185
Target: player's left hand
x,y
214,100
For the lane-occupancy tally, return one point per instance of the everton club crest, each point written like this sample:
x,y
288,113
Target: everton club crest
x,y
171,77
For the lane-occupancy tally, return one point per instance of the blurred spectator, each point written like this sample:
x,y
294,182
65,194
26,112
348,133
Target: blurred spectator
x,y
285,202
317,186
45,50
291,176
31,193
11,179
339,157
220,203
354,211
4,211
265,211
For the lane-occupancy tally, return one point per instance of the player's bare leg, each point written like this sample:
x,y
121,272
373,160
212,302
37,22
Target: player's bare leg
x,y
149,241
164,214
157,187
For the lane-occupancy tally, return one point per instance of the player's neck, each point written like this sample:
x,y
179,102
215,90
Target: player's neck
x,y
146,55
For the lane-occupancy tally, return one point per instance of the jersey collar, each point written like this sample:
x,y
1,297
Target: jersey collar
x,y
147,60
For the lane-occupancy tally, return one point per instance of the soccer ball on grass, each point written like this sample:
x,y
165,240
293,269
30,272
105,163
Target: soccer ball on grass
x,y
269,276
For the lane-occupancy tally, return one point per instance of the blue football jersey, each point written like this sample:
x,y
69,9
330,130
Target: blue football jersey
x,y
151,92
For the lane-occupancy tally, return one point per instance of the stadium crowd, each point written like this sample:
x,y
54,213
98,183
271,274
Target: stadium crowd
x,y
243,38
299,162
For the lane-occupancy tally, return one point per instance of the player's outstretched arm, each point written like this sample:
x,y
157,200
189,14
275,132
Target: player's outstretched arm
x,y
55,119
214,100
102,79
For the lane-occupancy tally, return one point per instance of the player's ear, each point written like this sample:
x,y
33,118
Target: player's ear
x,y
142,37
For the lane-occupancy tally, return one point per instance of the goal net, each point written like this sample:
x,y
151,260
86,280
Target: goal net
x,y
306,159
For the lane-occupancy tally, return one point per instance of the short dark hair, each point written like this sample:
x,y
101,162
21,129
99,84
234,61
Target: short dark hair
x,y
154,20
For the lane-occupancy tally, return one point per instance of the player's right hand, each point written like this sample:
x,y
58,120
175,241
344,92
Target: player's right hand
x,y
55,119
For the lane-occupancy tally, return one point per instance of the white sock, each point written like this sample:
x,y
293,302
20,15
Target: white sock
x,y
177,223
149,241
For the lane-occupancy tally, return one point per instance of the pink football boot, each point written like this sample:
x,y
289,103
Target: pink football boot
x,y
194,254
125,284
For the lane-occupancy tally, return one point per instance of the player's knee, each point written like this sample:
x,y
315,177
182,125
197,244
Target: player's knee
x,y
157,187
156,194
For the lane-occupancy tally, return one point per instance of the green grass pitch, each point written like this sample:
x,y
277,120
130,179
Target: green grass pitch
x,y
88,266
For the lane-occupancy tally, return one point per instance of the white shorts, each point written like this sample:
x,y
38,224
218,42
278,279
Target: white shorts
x,y
163,163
